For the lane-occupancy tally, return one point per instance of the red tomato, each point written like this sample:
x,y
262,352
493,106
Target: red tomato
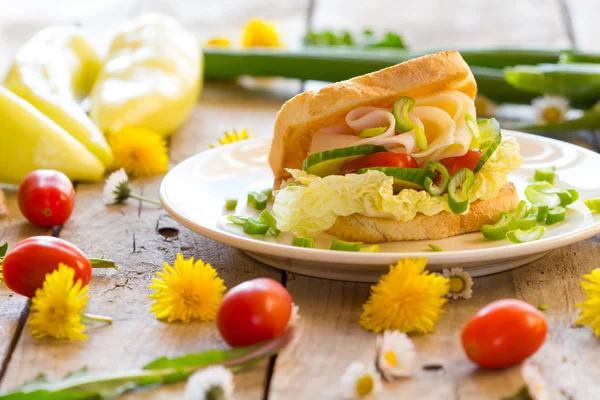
x,y
46,197
469,160
254,311
504,333
380,160
26,265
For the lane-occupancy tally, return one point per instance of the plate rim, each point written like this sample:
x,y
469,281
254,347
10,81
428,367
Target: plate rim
x,y
354,258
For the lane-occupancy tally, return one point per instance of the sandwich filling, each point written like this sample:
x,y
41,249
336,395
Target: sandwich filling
x,y
425,155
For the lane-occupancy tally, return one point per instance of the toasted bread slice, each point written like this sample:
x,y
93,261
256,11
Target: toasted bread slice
x,y
305,114
358,228
3,207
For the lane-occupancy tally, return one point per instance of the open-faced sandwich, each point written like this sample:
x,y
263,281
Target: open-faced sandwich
x,y
393,155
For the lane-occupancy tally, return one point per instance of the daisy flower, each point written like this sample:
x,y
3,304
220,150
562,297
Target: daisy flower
x,y
139,151
57,307
260,33
233,136
590,308
360,381
117,190
218,41
295,317
461,283
486,108
395,354
550,109
215,382
535,383
187,291
407,298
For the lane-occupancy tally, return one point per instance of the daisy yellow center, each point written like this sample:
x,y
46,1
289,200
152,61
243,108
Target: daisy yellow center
x,y
552,114
390,358
457,284
364,386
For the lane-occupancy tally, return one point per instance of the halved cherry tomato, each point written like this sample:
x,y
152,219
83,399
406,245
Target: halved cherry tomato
x,y
455,164
46,197
26,265
254,311
379,160
504,333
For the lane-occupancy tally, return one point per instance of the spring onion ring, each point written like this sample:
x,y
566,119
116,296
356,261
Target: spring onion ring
x,y
440,188
345,246
254,226
545,175
556,215
434,247
303,242
593,204
523,236
400,111
231,204
370,249
267,218
372,132
458,190
236,219
257,200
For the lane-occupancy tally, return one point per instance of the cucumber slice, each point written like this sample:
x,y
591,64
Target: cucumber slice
x,y
490,138
330,162
404,178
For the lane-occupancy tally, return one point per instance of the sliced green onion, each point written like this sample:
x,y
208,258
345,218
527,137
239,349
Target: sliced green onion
x,y
522,236
257,200
231,204
542,212
490,138
498,231
236,219
254,226
535,195
291,184
566,196
593,204
303,242
345,246
528,222
545,175
268,193
543,307
439,189
370,249
434,247
474,128
458,190
372,132
521,211
400,110
267,218
556,215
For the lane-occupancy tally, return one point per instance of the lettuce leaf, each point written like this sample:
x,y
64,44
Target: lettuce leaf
x,y
312,206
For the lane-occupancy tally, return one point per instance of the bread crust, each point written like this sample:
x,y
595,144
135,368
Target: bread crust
x,y
305,114
358,228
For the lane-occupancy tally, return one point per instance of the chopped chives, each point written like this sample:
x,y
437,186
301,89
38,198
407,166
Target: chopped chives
x,y
268,193
257,200
345,246
230,204
523,236
434,247
542,212
370,249
254,226
545,175
267,218
303,242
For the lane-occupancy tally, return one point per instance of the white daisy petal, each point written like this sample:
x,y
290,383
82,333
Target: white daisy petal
x,y
550,109
215,379
116,188
396,354
535,382
461,283
295,318
361,381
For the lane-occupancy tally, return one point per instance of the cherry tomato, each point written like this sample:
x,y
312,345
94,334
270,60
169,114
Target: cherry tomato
x,y
455,164
254,311
46,197
26,265
380,160
504,333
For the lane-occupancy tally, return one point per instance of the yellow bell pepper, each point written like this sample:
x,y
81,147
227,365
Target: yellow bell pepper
x,y
29,140
54,71
151,78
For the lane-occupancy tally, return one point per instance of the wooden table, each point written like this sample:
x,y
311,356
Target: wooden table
x,y
140,237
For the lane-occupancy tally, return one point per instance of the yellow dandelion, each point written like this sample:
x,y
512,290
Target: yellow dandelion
x,y
260,33
187,291
218,41
407,299
590,308
139,151
234,136
57,308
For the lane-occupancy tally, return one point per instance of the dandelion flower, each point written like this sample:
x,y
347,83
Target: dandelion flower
x,y
260,33
139,151
590,308
218,41
395,354
117,190
360,381
550,109
187,291
57,308
215,382
461,283
408,299
485,107
233,136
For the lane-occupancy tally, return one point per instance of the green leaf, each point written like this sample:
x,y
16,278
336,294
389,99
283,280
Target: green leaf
x,y
199,359
3,249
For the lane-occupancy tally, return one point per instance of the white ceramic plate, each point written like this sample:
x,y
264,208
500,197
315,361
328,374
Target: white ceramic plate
x,y
194,193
